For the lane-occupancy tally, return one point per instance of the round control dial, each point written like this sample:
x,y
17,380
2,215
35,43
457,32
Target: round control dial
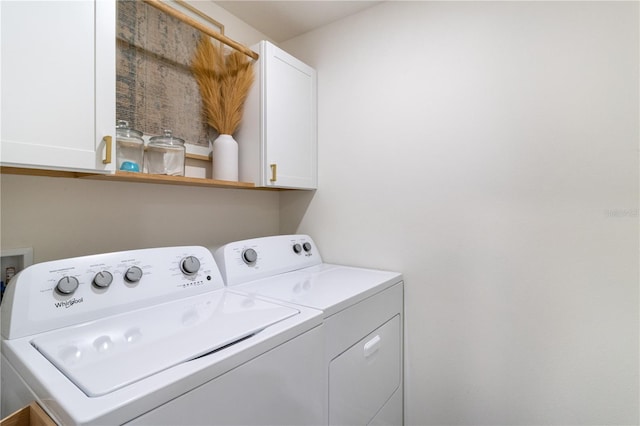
x,y
297,248
133,274
249,256
189,265
103,279
307,247
67,285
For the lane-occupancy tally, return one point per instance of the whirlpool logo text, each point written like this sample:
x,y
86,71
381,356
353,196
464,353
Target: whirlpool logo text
x,y
69,303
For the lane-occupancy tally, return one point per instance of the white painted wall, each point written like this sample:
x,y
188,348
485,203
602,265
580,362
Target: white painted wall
x,y
489,151
63,217
234,28
60,217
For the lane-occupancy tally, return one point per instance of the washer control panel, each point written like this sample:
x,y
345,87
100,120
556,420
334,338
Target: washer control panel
x,y
248,260
71,291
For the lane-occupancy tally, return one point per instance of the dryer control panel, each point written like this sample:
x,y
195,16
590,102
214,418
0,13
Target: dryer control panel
x,y
249,260
66,292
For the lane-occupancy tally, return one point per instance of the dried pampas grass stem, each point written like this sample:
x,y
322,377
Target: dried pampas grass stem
x,y
224,84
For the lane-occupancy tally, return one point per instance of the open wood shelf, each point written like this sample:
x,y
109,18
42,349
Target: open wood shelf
x,y
172,180
135,177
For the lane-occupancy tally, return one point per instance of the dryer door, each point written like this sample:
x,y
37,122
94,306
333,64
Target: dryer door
x,y
365,376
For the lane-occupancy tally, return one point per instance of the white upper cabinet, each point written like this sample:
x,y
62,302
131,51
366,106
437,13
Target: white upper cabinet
x,y
278,136
58,84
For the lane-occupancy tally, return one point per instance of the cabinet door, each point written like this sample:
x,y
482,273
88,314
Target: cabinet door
x,y
289,126
58,83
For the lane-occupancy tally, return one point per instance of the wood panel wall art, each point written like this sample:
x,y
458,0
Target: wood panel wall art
x,y
155,88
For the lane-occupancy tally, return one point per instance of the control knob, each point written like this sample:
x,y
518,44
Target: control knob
x,y
67,285
297,248
103,279
133,274
189,265
249,256
306,247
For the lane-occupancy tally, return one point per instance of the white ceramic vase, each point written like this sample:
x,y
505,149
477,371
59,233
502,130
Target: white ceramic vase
x,y
225,158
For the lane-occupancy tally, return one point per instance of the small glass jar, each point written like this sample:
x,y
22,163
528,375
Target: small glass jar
x,y
165,155
129,148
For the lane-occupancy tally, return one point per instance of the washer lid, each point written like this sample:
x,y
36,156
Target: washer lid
x,y
105,355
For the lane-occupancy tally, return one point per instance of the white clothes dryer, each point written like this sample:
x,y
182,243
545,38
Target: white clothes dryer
x,y
362,313
153,337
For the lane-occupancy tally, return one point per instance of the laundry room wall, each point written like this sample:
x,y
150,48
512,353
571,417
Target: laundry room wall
x,y
489,151
62,217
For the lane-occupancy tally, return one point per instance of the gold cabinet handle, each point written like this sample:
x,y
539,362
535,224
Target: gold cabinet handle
x,y
107,140
274,172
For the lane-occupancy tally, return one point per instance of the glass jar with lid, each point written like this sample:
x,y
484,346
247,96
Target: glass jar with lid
x,y
129,148
165,155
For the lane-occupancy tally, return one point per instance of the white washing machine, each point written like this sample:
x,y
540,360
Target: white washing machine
x,y
153,337
363,320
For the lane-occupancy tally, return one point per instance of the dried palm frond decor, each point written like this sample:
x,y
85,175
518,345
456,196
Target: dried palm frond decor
x,y
224,83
